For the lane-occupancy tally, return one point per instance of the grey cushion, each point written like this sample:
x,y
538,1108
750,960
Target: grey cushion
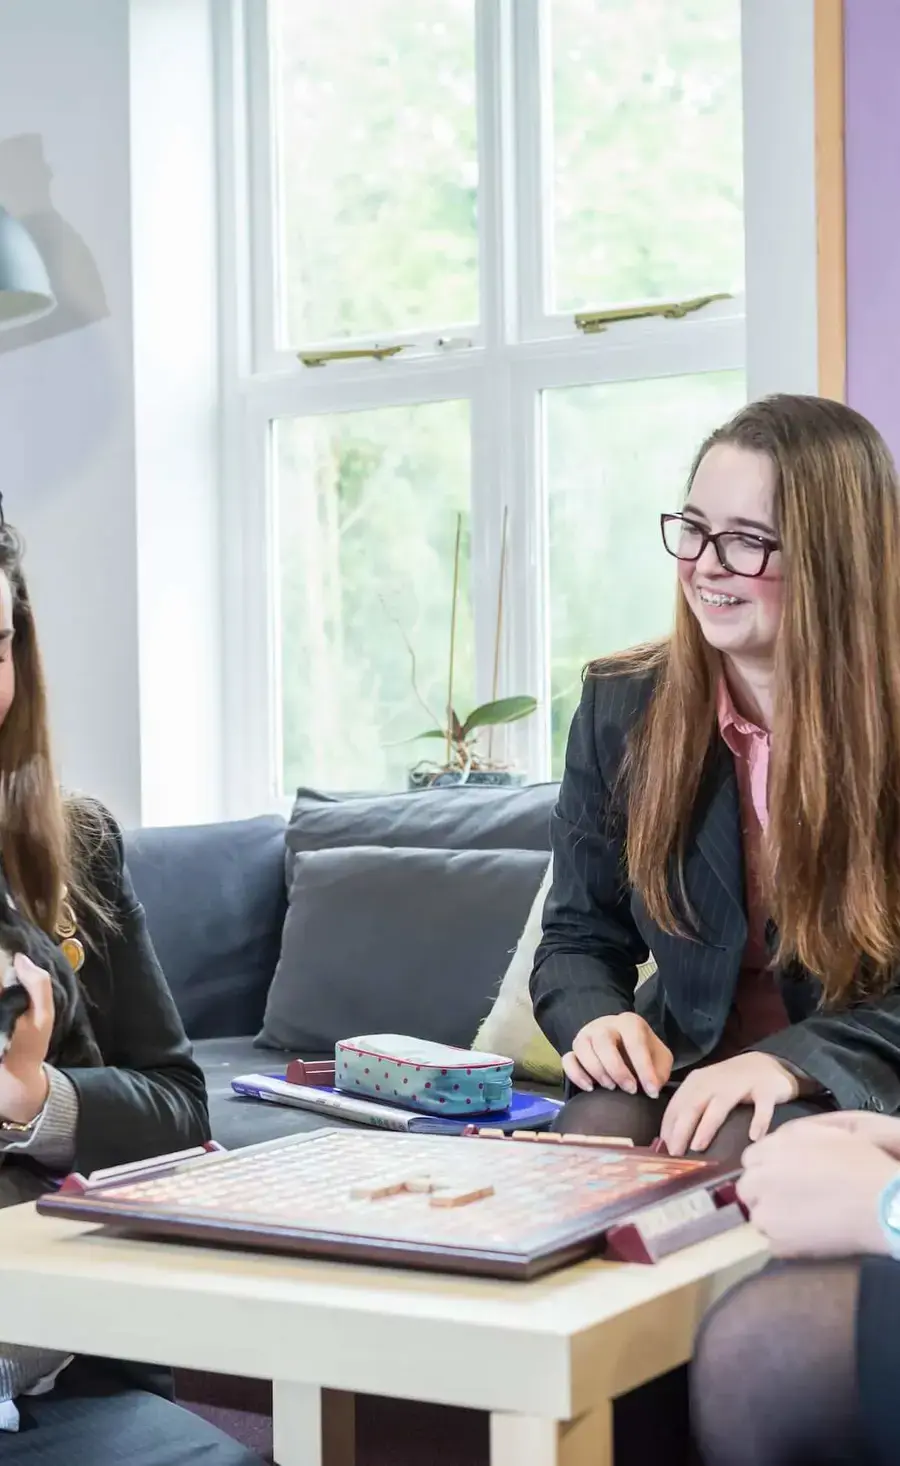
x,y
460,818
215,900
396,941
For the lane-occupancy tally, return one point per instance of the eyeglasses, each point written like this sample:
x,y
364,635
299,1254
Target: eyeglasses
x,y
741,553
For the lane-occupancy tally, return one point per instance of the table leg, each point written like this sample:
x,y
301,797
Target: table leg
x,y
311,1426
523,1440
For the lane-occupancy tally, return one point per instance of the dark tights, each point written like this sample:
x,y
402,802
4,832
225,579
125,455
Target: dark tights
x,y
773,1381
638,1118
774,1377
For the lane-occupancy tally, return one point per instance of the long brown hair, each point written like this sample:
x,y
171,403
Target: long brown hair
x,y
832,851
47,842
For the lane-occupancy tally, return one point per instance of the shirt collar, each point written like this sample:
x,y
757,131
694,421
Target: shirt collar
x,y
732,725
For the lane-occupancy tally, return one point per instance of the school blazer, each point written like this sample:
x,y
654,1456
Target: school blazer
x,y
149,1097
597,931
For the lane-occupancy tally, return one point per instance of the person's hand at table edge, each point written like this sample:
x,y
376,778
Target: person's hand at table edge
x,y
817,1190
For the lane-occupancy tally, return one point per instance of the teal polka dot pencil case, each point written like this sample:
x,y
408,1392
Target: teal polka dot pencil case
x,y
437,1079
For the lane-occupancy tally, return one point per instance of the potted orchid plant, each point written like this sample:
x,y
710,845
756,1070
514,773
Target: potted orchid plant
x,y
467,755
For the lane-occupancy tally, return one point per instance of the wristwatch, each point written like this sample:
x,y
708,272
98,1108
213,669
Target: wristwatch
x,y
889,1216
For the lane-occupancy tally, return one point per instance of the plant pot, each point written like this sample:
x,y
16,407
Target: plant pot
x,y
425,778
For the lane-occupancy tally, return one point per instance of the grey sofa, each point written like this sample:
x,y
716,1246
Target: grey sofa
x,y
216,898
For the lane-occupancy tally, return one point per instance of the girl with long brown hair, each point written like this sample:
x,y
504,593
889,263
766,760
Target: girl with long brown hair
x,y
62,864
730,807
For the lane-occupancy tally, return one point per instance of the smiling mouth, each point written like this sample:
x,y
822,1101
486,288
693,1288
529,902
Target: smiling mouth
x,y
718,598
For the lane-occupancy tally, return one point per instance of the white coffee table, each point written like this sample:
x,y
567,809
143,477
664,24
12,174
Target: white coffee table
x,y
546,1358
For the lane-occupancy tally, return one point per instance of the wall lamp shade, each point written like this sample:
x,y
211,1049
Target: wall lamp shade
x,y
25,290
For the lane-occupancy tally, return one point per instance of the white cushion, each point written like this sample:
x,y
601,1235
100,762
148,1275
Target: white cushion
x,y
510,1027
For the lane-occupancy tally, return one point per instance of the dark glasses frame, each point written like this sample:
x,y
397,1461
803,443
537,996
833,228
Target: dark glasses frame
x,y
719,541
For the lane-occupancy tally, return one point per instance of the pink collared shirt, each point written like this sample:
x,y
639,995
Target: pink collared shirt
x,y
758,1008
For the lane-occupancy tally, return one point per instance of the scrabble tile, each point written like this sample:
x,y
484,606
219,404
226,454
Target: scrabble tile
x,y
461,1198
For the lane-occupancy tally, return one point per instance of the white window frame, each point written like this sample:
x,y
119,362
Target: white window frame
x,y
515,354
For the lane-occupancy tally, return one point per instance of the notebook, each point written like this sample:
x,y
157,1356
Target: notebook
x,y
526,1112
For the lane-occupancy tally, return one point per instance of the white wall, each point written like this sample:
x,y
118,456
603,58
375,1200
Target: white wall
x,y
108,430
174,241
66,403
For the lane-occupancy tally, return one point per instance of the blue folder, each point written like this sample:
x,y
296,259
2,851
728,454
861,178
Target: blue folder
x,y
527,1111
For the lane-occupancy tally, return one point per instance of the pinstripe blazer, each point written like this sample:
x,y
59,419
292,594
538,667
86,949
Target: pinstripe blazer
x,y
597,931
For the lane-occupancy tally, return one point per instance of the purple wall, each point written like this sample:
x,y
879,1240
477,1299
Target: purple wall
x,y
872,117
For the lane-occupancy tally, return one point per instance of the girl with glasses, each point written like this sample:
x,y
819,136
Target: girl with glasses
x,y
730,808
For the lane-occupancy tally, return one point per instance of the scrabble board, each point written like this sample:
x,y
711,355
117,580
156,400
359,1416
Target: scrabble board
x,y
505,1207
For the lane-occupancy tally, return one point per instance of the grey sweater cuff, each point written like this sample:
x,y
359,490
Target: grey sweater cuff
x,y
52,1141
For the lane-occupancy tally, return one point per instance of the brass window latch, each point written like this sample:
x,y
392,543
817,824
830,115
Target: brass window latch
x,y
443,345
592,322
354,353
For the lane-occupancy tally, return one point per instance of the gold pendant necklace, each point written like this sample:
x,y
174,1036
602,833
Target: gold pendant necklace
x,y
70,944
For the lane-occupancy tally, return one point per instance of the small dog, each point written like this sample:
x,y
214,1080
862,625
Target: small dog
x,y
73,1039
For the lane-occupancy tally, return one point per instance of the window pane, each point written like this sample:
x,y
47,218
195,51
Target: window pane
x,y
618,456
647,148
367,506
375,117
